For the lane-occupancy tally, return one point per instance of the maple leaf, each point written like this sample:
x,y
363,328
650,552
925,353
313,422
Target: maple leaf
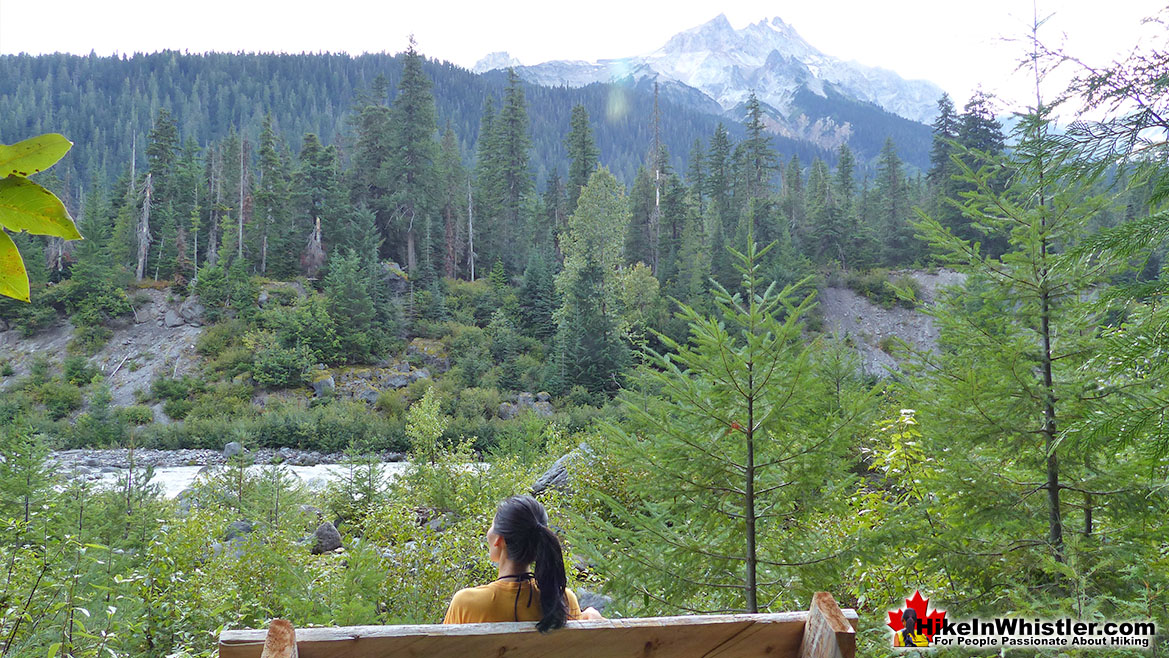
x,y
931,621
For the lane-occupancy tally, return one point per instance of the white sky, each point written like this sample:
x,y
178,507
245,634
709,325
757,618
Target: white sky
x,y
956,45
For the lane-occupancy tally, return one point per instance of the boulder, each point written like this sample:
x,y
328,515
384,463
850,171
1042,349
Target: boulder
x,y
262,300
396,277
543,409
173,319
326,539
421,373
507,410
588,599
442,522
233,449
397,381
543,396
238,529
430,353
369,395
324,386
525,399
558,474
192,311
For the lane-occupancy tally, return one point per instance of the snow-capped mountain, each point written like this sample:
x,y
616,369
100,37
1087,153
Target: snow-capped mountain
x,y
725,64
496,60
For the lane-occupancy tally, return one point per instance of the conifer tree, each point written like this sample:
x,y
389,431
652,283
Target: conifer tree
x,y
731,444
582,155
452,204
515,178
411,164
1018,380
537,300
899,247
592,352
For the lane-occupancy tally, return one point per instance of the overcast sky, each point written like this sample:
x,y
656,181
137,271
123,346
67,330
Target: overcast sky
x,y
957,45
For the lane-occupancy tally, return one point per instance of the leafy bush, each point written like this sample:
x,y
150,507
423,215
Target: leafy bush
x,y
876,286
88,339
60,398
217,338
135,414
78,371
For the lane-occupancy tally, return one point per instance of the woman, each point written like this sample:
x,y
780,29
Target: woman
x,y
518,537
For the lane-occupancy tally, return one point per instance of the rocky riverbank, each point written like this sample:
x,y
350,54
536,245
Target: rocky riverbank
x,y
92,460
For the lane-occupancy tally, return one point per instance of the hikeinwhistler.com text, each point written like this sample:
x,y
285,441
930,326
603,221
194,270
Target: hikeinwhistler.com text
x,y
1016,632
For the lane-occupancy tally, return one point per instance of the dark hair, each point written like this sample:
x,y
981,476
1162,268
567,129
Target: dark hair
x,y
909,618
523,524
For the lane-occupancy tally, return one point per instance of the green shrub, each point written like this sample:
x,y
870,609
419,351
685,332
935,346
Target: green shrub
x,y
166,388
219,337
7,370
876,286
78,371
281,367
89,339
60,398
224,399
135,414
478,402
177,408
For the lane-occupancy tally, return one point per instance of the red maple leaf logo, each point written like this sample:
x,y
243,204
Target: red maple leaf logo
x,y
931,622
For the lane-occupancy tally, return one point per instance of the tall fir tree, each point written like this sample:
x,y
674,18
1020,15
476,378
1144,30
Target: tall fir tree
x,y
411,166
582,155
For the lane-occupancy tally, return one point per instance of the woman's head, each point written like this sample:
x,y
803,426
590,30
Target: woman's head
x,y
523,524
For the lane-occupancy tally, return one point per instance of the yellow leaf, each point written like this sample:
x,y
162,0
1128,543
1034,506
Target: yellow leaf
x,y
33,155
13,277
26,206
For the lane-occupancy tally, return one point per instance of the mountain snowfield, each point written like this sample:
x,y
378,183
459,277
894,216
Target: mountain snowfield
x,y
768,57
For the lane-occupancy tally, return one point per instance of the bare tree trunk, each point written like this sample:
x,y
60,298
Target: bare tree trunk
x,y
243,175
217,193
411,258
470,231
144,231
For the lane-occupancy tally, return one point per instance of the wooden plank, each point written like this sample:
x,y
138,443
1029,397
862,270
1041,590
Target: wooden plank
x,y
725,636
828,633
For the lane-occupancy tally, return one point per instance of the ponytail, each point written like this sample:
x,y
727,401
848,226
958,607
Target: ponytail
x,y
523,524
551,580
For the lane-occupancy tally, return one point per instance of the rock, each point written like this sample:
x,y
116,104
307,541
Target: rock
x,y
588,599
397,381
232,449
557,475
369,395
327,539
525,399
543,396
192,310
543,409
430,352
421,373
396,277
262,300
238,529
173,319
507,410
160,416
442,522
324,386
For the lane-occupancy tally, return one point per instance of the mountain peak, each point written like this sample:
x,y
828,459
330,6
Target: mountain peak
x,y
496,60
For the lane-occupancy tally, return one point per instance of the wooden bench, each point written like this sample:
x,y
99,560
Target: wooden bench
x,y
824,631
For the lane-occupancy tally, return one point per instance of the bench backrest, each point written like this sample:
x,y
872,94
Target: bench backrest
x,y
824,631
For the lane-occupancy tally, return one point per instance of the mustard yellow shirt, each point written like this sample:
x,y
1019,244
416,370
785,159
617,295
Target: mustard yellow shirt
x,y
497,602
